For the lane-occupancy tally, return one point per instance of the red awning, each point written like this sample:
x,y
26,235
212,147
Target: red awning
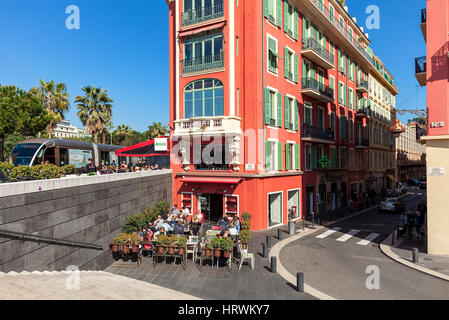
x,y
143,149
201,29
223,180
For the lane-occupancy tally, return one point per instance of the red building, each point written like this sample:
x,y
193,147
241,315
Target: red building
x,y
268,107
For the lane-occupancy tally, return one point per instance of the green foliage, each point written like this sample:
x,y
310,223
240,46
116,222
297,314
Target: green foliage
x,y
21,173
163,240
149,214
46,171
68,169
209,245
173,239
245,236
181,242
227,244
134,223
6,167
216,243
11,140
161,207
245,221
156,130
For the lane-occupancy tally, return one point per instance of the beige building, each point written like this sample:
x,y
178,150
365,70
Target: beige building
x,y
65,130
411,154
382,99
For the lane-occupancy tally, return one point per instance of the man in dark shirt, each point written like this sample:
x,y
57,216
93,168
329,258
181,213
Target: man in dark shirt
x,y
90,168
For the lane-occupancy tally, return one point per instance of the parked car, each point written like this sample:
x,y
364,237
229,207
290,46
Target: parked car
x,y
423,185
388,204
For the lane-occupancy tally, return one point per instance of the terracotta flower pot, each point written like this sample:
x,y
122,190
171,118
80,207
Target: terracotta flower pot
x,y
160,249
125,248
217,253
115,247
207,252
171,250
181,250
226,254
135,248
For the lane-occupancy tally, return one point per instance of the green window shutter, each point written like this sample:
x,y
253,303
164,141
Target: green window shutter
x,y
295,24
351,130
287,112
285,16
332,124
313,71
278,13
304,71
296,120
314,157
334,157
332,85
286,62
267,106
272,45
287,156
304,27
296,67
279,117
267,155
267,8
279,156
344,128
345,93
297,157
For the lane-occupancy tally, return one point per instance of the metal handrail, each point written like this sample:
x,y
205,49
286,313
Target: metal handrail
x,y
310,43
198,15
423,15
30,237
421,64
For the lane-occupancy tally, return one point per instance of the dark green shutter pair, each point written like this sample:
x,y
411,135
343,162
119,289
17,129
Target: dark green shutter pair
x,y
287,65
268,106
343,128
278,14
268,155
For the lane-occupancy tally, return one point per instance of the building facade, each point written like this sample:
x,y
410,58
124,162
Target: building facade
x,y
269,107
411,154
64,129
435,28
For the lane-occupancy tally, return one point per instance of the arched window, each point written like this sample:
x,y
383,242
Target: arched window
x,y
204,98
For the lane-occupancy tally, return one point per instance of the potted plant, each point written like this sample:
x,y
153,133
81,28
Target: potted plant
x,y
126,240
115,246
181,245
216,244
208,249
136,240
171,246
245,236
227,244
162,242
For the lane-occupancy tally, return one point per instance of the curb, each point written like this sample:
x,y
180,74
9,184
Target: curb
x,y
386,250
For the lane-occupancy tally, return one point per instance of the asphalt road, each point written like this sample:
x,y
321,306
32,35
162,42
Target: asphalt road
x,y
338,267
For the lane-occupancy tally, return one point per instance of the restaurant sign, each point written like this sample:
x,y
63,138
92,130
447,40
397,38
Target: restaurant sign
x,y
160,144
436,171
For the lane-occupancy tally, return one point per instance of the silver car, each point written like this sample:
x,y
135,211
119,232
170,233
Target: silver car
x,y
388,204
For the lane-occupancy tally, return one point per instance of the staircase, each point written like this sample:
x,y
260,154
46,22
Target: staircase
x,y
80,285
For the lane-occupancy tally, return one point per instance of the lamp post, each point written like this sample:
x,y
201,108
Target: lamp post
x,y
396,131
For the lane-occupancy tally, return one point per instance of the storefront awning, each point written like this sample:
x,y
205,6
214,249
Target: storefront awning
x,y
222,180
146,149
202,29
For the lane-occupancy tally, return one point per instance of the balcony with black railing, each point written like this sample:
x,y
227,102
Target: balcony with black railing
x,y
421,70
424,16
317,90
202,14
316,134
314,51
206,63
363,112
362,86
362,143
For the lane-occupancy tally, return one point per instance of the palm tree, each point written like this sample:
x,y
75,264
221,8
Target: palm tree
x,y
54,99
156,130
124,130
95,110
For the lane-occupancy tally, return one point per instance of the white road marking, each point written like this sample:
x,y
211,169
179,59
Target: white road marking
x,y
348,236
368,239
420,194
328,233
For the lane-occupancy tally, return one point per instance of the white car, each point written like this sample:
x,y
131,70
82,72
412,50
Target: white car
x,y
388,204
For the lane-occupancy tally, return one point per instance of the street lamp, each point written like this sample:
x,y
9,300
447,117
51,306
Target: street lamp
x,y
396,131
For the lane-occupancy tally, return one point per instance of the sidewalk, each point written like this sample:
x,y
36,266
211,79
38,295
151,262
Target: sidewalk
x,y
401,251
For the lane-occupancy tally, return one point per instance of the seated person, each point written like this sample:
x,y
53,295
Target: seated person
x,y
223,223
105,170
233,231
179,227
225,233
158,222
150,226
167,227
161,231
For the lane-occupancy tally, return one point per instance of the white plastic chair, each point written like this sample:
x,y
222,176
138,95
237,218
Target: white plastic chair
x,y
244,254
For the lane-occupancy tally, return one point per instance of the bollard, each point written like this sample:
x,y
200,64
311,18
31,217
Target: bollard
x,y
291,228
264,250
273,265
300,282
415,253
279,234
392,238
269,241
303,224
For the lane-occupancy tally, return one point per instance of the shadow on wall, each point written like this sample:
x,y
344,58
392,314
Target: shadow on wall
x,y
440,64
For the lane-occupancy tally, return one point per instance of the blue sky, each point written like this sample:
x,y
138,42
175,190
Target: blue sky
x,y
123,46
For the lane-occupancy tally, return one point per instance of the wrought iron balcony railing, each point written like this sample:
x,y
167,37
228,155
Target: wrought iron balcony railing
x,y
420,64
362,142
312,84
316,133
214,61
362,84
310,43
202,14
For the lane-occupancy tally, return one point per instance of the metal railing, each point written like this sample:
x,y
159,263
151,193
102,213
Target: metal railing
x,y
362,84
31,237
316,132
363,111
423,15
213,61
310,83
310,43
362,142
421,64
202,14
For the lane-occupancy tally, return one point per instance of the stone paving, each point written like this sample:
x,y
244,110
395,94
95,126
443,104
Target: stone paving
x,y
217,283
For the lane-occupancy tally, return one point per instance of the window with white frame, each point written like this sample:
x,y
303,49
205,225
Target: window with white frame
x,y
273,55
274,209
272,155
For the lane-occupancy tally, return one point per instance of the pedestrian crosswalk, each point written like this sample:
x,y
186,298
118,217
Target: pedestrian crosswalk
x,y
363,238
